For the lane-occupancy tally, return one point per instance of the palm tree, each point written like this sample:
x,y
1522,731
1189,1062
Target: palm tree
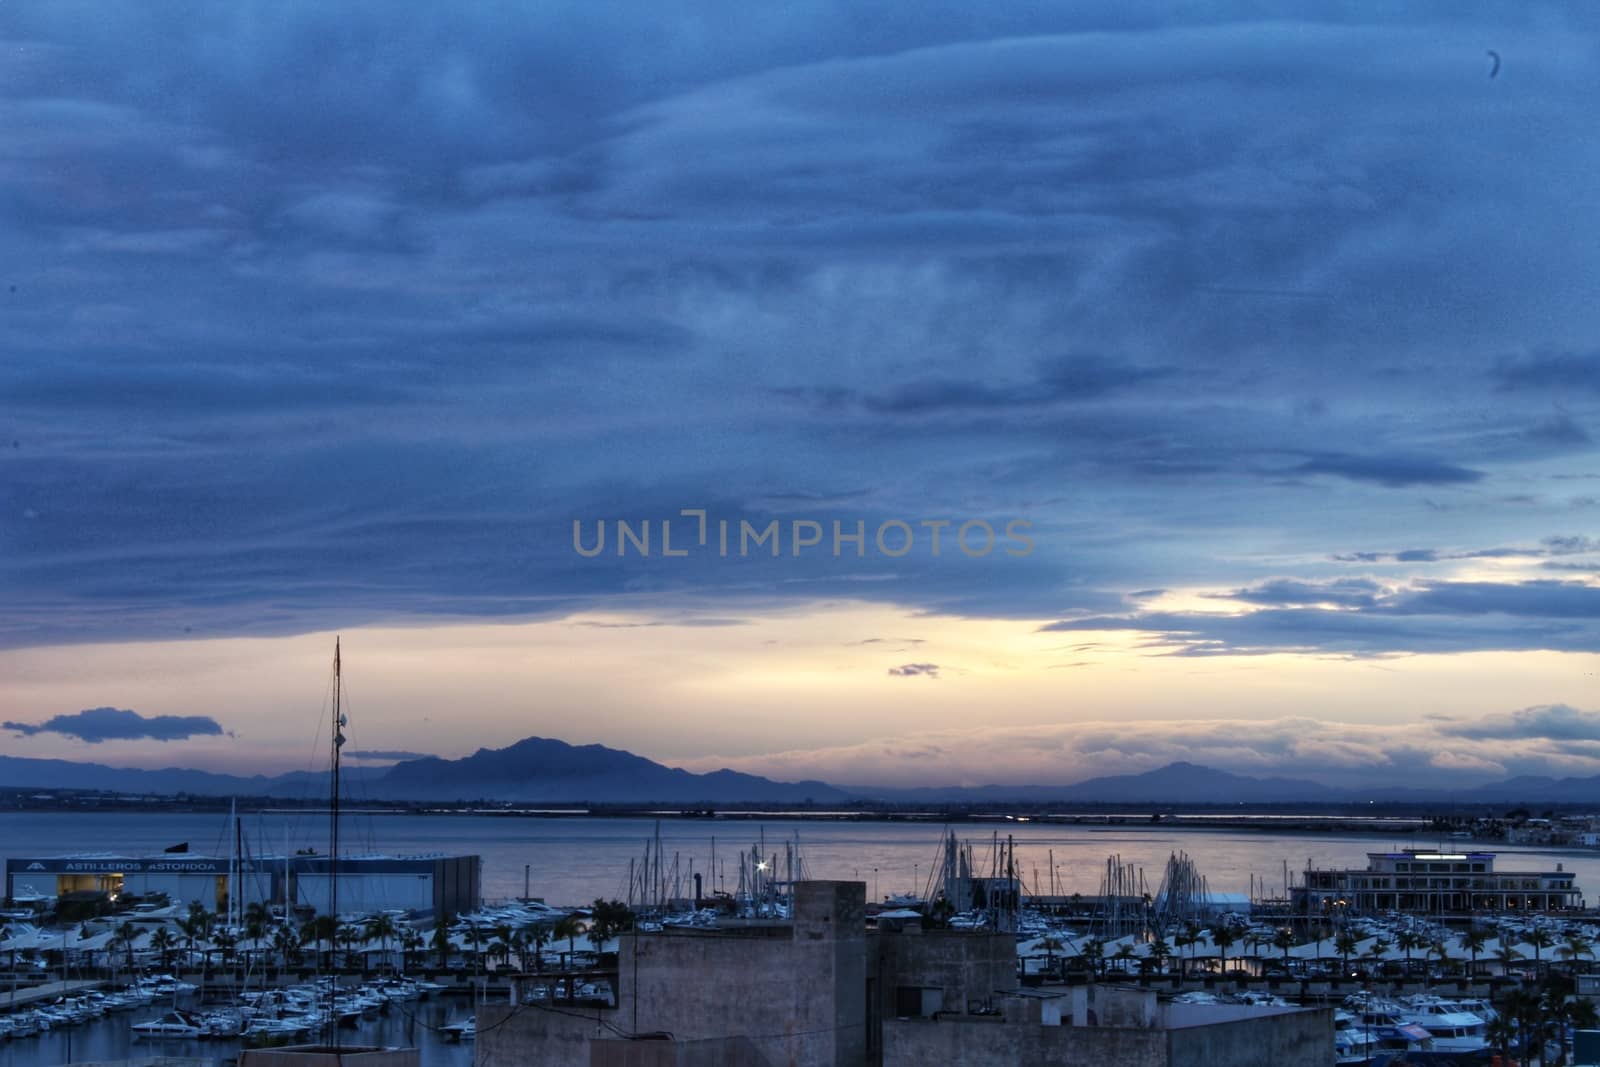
x,y
1224,939
1540,939
441,941
1160,951
320,930
196,925
163,942
1506,955
1528,1009
537,935
1438,948
381,928
1377,951
612,917
1284,939
568,926
256,920
1576,945
124,938
1474,940
287,944
1050,943
475,938
1408,941
1094,950
410,941
1345,944
225,940
503,939
349,937
1499,1033
1184,939
1124,953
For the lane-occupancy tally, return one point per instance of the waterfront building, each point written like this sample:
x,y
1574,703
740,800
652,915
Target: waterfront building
x,y
421,885
1433,883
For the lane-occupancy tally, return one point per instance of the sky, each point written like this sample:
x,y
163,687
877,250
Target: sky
x,y
1244,360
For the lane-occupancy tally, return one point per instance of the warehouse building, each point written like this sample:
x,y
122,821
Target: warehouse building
x,y
421,885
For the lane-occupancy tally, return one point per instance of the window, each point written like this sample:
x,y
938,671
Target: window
x,y
916,1002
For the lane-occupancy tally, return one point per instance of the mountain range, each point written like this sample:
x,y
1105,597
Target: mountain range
x,y
543,770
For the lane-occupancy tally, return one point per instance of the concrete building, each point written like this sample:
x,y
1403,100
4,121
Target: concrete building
x,y
1434,883
1091,1026
823,991
424,885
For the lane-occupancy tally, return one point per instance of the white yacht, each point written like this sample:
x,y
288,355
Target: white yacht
x,y
172,1024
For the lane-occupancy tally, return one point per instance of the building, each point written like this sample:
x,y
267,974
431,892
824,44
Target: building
x,y
1092,1026
422,885
822,990
1437,883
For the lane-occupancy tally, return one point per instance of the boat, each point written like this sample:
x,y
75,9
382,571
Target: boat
x,y
176,1023
462,1029
1353,1041
1454,1029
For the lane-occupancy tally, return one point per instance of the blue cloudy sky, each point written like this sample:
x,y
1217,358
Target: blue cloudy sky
x,y
1276,323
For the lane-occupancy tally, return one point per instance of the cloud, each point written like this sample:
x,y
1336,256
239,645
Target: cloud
x,y
1134,274
95,725
915,670
1343,592
1555,545
1395,472
1434,753
1551,370
1554,722
1361,619
1060,381
383,755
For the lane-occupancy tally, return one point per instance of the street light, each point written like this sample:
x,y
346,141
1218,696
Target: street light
x,y
875,884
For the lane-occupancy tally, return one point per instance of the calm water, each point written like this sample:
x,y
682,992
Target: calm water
x,y
575,860
109,1038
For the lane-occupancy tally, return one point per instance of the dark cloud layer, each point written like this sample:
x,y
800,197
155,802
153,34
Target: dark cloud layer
x,y
324,316
95,725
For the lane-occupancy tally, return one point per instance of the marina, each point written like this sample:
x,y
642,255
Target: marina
x,y
1195,919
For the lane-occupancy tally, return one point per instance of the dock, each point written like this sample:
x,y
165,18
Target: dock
x,y
48,991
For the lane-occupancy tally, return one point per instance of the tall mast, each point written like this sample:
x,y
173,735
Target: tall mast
x,y
333,842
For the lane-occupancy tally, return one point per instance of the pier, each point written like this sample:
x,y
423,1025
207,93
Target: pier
x,y
49,991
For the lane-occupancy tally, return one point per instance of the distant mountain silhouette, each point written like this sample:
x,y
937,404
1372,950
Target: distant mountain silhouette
x,y
541,769
534,769
22,773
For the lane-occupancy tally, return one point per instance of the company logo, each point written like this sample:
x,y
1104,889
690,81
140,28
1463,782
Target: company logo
x,y
892,538
35,866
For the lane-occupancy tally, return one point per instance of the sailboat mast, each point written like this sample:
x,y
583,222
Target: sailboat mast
x,y
333,840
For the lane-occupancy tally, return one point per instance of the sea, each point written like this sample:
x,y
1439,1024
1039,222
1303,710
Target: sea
x,y
569,860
